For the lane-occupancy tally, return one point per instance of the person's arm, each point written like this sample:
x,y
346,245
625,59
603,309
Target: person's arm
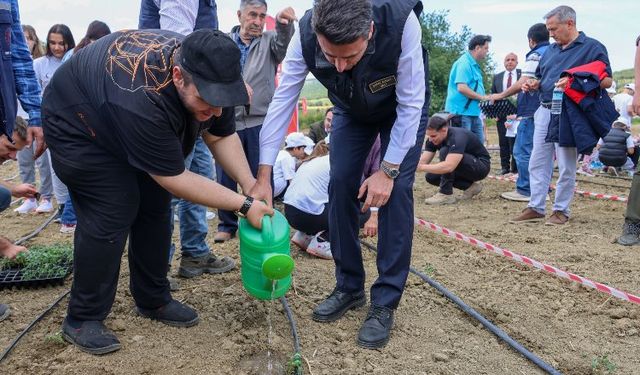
x,y
514,89
21,190
410,96
425,158
179,15
449,165
284,31
274,129
27,87
465,90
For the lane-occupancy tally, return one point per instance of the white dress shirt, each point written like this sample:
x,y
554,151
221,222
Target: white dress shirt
x,y
178,15
410,92
505,78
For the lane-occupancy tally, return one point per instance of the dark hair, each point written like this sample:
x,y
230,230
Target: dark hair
x,y
186,76
330,109
437,122
37,50
478,40
21,128
67,37
95,31
538,33
342,21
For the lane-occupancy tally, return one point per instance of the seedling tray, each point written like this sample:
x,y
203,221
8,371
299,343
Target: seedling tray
x,y
13,277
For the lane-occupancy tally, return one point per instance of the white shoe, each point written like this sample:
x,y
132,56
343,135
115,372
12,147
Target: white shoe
x,y
211,215
472,191
301,240
319,248
68,228
175,217
27,206
515,196
45,206
440,198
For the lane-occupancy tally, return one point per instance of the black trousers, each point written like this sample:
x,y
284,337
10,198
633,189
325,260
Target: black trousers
x,y
313,224
470,170
507,161
111,205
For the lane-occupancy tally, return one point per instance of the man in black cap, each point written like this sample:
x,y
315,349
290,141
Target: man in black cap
x,y
119,119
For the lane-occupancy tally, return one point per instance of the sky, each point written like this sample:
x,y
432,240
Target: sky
x,y
506,22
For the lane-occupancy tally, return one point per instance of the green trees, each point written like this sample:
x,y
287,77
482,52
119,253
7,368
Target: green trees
x,y
444,47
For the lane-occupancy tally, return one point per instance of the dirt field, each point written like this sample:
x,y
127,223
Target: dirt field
x,y
577,330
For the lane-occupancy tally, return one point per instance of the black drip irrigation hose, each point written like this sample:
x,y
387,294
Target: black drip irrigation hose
x,y
31,325
38,229
484,321
297,356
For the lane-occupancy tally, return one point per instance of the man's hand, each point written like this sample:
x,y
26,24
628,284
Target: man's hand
x,y
562,83
286,16
371,226
493,97
257,211
530,85
24,191
8,249
378,190
261,190
249,91
36,133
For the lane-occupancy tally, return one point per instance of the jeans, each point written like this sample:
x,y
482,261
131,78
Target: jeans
x,y
5,198
193,217
522,153
68,215
27,165
250,139
474,124
541,168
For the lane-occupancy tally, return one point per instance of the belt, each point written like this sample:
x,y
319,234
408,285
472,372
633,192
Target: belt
x,y
546,105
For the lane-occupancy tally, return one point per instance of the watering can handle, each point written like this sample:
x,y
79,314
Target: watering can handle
x,y
267,229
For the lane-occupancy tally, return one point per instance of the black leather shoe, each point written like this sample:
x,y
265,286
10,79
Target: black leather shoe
x,y
375,330
90,336
338,303
173,314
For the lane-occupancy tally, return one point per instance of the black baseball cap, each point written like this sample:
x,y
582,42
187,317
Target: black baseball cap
x,y
213,59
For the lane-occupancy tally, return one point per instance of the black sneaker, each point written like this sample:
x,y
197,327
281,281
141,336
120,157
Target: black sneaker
x,y
5,311
196,266
173,314
375,330
90,336
337,304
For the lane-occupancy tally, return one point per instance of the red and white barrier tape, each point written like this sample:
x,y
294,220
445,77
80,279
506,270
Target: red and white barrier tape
x,y
608,197
530,262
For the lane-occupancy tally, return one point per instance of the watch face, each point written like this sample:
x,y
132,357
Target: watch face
x,y
394,173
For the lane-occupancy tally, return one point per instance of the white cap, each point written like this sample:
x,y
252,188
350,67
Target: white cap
x,y
308,148
295,139
624,121
612,89
630,86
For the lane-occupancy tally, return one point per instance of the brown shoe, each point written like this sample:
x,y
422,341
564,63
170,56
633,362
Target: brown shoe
x,y
557,218
221,237
528,215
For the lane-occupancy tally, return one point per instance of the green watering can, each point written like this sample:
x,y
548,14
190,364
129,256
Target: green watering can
x,y
265,257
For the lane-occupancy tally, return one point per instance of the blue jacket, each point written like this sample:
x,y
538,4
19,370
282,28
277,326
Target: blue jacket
x,y
581,124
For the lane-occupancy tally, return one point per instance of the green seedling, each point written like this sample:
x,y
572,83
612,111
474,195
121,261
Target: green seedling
x,y
41,261
603,365
429,270
55,339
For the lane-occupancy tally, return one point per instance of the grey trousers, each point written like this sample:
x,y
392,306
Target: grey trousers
x,y
27,167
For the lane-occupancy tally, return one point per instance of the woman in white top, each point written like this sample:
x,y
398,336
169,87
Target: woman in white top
x,y
59,41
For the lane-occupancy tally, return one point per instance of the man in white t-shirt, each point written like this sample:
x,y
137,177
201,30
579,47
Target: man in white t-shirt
x,y
623,101
297,147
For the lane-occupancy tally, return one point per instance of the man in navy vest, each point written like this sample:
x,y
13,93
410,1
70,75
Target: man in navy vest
x,y
184,17
368,54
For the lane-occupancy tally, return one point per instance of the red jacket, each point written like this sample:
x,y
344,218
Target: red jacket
x,y
589,75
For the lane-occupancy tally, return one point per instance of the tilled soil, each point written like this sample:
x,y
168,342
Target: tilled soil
x,y
575,329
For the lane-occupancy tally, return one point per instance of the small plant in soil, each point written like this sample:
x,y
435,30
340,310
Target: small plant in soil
x,y
602,365
54,339
429,270
50,261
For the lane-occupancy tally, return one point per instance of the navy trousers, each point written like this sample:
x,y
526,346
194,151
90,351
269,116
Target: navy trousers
x,y
351,142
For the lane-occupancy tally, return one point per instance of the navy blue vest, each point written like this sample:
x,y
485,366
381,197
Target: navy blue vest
x,y
8,100
528,103
368,91
613,152
207,15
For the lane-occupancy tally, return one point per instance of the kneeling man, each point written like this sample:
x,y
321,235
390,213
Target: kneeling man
x,y
463,161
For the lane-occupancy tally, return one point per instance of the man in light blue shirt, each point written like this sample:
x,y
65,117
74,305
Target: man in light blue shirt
x,y
466,90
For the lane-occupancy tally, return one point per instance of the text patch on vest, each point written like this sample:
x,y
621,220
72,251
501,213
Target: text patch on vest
x,y
382,83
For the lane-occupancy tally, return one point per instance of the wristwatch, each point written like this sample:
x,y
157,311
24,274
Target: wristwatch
x,y
244,209
390,171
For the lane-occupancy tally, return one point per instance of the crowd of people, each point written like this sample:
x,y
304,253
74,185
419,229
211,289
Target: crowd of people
x,y
121,146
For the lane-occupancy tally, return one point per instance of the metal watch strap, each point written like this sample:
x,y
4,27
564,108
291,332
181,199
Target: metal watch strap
x,y
391,173
244,209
